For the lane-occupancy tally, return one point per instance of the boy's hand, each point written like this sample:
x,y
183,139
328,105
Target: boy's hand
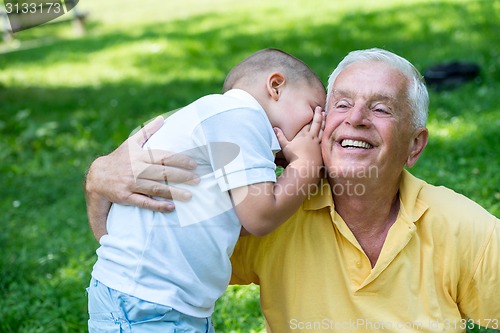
x,y
264,206
306,144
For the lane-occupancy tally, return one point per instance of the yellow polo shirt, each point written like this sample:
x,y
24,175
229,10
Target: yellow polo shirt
x,y
439,267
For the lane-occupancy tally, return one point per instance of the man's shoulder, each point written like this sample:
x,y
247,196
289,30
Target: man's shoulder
x,y
439,200
452,220
451,214
444,200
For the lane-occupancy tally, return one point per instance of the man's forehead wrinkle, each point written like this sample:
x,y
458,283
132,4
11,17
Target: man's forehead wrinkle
x,y
371,97
343,93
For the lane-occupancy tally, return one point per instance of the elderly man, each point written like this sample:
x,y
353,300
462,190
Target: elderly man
x,y
373,248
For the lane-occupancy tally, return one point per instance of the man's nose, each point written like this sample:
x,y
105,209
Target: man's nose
x,y
358,116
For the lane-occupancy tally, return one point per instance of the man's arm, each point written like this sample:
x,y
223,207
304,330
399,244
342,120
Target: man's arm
x,y
131,175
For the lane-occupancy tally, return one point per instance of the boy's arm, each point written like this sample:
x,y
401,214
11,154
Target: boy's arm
x,y
262,207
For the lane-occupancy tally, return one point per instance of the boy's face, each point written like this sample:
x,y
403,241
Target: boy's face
x,y
296,106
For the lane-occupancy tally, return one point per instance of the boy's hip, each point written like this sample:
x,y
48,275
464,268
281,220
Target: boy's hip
x,y
113,311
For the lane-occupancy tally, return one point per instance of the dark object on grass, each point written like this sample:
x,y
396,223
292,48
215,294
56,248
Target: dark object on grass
x,y
450,75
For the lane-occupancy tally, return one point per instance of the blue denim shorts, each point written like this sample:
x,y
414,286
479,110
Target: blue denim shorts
x,y
112,311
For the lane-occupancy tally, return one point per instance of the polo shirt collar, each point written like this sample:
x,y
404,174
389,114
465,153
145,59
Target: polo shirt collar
x,y
322,198
411,209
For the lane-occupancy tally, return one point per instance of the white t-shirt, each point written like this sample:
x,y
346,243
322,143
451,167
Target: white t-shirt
x,y
181,259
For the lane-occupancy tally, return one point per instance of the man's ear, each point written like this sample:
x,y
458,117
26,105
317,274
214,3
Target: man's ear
x,y
419,142
275,82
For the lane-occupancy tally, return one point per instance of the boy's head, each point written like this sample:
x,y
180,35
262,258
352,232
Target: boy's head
x,y
285,86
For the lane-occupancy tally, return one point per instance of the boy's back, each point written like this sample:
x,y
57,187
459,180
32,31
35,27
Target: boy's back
x,y
182,258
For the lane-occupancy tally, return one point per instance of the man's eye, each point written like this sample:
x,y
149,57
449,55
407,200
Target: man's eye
x,y
341,106
381,110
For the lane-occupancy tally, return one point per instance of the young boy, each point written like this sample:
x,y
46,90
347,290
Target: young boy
x,y
164,271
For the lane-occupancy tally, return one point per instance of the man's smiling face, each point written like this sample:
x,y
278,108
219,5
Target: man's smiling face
x,y
368,122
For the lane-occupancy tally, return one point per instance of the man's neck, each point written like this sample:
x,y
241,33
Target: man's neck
x,y
369,210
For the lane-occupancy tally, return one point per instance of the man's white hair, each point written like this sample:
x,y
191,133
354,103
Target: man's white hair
x,y
417,94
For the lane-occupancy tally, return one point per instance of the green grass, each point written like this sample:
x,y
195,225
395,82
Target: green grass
x,y
64,100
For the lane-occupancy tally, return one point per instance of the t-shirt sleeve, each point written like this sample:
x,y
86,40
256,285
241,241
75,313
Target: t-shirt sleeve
x,y
240,146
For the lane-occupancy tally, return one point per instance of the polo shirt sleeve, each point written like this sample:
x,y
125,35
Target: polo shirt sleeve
x,y
481,301
240,146
242,261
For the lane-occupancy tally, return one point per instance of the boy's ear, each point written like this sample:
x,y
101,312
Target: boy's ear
x,y
275,82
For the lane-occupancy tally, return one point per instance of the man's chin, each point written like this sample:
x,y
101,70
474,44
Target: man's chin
x,y
352,171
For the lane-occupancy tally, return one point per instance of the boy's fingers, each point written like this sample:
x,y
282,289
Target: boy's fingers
x,y
281,137
317,121
323,124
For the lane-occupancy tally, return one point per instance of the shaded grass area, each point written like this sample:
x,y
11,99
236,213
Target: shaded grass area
x,y
67,100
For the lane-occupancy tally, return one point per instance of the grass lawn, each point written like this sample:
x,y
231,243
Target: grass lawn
x,y
65,100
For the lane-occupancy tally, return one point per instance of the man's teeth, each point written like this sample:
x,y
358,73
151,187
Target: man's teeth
x,y
355,143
